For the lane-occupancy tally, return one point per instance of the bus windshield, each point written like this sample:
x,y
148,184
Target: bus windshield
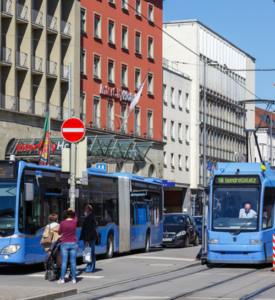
x,y
233,206
7,205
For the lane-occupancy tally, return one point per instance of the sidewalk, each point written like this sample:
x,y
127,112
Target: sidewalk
x,y
29,282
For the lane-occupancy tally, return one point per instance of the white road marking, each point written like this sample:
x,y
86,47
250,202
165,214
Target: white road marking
x,y
73,130
162,258
160,265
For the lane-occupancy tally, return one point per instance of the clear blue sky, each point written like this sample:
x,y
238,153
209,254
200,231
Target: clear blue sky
x,y
249,24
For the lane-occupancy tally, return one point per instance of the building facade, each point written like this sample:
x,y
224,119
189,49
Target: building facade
x,y
120,44
176,130
225,88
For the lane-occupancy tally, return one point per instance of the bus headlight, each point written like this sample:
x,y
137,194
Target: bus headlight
x,y
181,233
255,242
215,241
10,249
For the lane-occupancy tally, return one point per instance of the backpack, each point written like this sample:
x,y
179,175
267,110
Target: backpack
x,y
45,241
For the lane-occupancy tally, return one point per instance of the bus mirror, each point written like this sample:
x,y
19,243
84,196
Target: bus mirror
x,y
29,191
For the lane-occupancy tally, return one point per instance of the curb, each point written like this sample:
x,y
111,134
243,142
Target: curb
x,y
53,296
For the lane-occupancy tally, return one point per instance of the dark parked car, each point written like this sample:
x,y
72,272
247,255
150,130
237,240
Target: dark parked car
x,y
179,230
198,220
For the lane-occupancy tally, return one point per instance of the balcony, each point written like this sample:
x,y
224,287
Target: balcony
x,y
37,18
37,64
110,125
65,29
6,8
96,122
21,60
51,24
64,73
5,56
51,69
150,133
21,13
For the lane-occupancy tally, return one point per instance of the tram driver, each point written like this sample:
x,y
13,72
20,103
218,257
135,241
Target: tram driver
x,y
247,212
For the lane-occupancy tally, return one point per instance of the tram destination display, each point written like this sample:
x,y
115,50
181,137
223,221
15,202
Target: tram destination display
x,y
7,170
237,180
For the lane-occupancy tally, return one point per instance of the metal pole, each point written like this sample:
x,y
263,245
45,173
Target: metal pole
x,y
204,166
271,138
73,150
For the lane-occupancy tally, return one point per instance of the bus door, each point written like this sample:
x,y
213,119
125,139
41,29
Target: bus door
x,y
133,230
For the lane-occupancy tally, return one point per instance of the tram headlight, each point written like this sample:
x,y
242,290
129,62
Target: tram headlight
x,y
10,249
181,233
214,241
255,242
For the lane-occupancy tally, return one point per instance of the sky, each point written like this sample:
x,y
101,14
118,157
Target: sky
x,y
249,24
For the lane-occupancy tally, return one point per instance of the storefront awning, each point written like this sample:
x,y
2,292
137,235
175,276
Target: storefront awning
x,y
107,149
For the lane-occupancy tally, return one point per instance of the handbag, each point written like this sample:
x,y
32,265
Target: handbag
x,y
87,257
47,240
98,240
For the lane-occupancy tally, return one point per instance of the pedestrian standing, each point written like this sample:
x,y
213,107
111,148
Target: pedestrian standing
x,y
89,235
50,235
68,243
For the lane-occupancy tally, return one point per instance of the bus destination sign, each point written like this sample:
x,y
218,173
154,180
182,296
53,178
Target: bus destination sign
x,y
238,180
7,170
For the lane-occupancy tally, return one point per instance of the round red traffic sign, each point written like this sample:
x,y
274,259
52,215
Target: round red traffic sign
x,y
73,130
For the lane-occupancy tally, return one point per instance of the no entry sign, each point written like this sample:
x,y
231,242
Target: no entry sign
x,y
73,130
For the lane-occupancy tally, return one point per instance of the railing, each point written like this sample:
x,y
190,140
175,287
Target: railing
x,y
110,125
37,63
65,27
64,72
6,54
124,128
173,67
150,133
137,130
96,122
83,117
6,6
52,22
21,59
37,17
21,11
51,68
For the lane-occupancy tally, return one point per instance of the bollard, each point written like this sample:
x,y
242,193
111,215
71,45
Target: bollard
x,y
274,253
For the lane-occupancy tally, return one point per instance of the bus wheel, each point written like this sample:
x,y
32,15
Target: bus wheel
x,y
147,243
110,246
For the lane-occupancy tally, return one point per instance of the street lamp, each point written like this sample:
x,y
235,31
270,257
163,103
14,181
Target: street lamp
x,y
204,240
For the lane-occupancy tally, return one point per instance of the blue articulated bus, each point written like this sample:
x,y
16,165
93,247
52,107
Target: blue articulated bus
x,y
240,221
128,209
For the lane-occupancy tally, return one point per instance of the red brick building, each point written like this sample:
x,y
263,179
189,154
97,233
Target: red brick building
x,y
119,46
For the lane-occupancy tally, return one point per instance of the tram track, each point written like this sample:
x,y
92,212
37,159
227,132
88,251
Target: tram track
x,y
258,292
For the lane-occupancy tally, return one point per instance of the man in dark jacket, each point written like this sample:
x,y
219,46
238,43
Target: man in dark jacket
x,y
89,235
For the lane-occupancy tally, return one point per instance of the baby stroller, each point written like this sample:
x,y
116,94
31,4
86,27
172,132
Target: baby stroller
x,y
53,262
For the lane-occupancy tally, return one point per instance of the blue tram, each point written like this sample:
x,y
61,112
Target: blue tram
x,y
240,222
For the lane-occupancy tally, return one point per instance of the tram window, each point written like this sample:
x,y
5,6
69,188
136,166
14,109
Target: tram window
x,y
268,208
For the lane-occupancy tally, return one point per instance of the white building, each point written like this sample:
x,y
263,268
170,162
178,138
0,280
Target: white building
x,y
176,133
225,89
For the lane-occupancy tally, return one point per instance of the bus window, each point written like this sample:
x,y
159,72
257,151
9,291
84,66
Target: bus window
x,y
132,212
268,208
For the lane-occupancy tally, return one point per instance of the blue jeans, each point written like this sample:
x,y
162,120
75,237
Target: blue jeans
x,y
91,266
67,248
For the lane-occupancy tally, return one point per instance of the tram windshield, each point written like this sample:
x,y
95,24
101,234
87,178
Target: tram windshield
x,y
7,205
234,206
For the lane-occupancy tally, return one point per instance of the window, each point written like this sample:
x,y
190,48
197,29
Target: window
x,y
82,107
268,208
187,133
110,113
187,101
150,12
111,76
137,121
123,120
83,19
83,61
124,4
164,158
150,47
150,124
96,112
172,97
180,161
111,31
97,67
124,39
150,84
186,162
164,127
172,130
97,26
138,43
180,99
164,93
180,132
138,7
124,75
137,78
172,160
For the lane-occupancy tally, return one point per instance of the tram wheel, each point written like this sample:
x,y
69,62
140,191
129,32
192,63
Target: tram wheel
x,y
186,244
110,246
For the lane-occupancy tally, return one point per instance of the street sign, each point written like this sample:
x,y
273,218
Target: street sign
x,y
168,183
84,178
101,166
73,130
